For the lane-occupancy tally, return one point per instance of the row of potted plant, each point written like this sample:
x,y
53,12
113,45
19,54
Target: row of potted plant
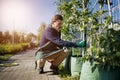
x,y
101,56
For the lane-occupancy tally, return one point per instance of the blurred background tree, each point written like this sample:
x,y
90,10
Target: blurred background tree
x,y
40,31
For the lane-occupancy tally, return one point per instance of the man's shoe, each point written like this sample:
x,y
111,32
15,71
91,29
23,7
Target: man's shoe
x,y
40,70
55,69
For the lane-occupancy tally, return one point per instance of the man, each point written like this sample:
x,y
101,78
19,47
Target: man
x,y
52,34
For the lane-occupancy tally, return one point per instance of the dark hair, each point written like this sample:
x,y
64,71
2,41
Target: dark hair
x,y
56,17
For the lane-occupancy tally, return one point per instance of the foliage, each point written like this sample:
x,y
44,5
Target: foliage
x,y
8,48
111,48
65,75
6,37
9,64
30,36
5,57
4,61
71,18
40,31
19,37
102,40
1,35
71,78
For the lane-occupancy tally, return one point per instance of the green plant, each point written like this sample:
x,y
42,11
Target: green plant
x,y
5,57
111,46
107,54
71,78
63,73
96,26
9,64
10,49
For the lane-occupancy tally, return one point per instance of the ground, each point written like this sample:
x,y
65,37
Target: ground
x,y
26,68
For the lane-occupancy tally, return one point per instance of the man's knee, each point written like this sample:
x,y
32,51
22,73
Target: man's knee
x,y
65,54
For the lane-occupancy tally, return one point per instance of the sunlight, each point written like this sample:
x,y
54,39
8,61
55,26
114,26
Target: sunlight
x,y
15,15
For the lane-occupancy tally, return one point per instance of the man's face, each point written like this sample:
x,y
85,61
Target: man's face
x,y
58,25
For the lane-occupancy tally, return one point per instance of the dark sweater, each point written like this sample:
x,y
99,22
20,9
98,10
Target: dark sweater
x,y
50,34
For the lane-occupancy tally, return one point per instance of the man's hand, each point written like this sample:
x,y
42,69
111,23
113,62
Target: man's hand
x,y
81,44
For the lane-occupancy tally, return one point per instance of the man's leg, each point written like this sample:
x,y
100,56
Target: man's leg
x,y
56,59
41,64
61,56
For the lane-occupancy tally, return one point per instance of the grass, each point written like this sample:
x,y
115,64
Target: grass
x,y
5,58
65,75
72,78
9,64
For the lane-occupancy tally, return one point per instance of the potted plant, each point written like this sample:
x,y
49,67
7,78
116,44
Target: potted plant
x,y
100,53
102,58
76,62
71,29
76,56
106,59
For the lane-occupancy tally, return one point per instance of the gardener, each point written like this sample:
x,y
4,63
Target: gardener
x,y
51,37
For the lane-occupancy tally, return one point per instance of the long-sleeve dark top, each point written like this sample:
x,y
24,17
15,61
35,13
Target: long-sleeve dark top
x,y
50,34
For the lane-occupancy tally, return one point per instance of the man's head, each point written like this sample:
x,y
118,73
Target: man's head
x,y
57,22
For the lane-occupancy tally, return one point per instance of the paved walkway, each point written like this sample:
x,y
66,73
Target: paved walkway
x,y
25,70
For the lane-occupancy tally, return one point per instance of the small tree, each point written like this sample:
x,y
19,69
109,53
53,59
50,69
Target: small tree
x,y
40,31
1,37
7,37
30,36
95,28
22,37
16,37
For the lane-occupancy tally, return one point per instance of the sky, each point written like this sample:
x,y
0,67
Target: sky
x,y
25,15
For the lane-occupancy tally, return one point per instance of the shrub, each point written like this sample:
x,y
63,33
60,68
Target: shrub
x,y
10,49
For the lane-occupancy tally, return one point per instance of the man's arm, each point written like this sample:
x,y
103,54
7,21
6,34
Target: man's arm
x,y
50,36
